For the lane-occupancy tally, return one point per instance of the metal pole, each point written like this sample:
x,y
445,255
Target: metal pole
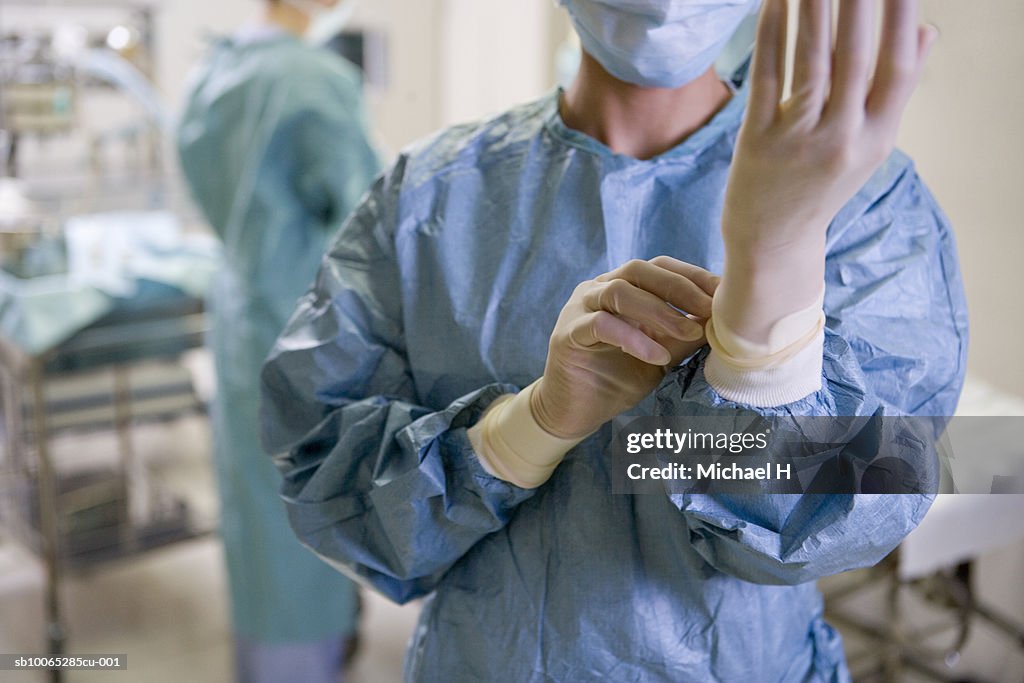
x,y
49,519
130,478
894,650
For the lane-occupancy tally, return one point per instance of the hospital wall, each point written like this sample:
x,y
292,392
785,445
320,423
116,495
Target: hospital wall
x,y
964,130
446,64
456,60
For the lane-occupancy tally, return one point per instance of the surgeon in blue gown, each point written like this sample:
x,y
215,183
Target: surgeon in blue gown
x,y
273,142
499,259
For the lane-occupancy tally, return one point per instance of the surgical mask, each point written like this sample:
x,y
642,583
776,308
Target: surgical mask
x,y
324,22
657,43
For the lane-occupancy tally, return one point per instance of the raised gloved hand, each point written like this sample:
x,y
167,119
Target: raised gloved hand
x,y
614,340
798,161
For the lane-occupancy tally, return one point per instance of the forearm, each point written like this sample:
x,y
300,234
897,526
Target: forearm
x,y
802,153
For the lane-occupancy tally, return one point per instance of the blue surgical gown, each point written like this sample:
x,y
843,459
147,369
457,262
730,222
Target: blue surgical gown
x,y
440,294
273,143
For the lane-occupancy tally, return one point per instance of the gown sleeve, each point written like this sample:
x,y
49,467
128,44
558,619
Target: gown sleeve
x,y
328,137
319,163
382,487
895,345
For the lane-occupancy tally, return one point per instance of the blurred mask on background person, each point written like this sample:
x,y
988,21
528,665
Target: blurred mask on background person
x,y
327,18
657,43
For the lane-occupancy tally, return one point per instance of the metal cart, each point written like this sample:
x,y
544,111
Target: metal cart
x,y
73,522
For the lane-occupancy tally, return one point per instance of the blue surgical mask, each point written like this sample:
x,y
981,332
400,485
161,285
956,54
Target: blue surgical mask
x,y
657,43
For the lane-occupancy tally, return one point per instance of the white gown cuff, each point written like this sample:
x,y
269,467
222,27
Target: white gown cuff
x,y
512,446
782,369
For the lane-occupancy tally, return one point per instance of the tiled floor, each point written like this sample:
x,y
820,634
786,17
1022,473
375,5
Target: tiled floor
x,y
167,609
168,612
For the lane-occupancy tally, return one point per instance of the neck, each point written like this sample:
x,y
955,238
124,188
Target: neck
x,y
286,17
609,110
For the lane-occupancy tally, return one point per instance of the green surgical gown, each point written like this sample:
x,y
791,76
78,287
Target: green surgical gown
x,y
273,143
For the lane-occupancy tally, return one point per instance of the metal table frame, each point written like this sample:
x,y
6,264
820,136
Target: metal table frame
x,y
115,344
897,647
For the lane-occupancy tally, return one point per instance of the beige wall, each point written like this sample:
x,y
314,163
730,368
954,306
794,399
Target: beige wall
x,y
408,109
183,29
446,63
964,130
486,70
410,106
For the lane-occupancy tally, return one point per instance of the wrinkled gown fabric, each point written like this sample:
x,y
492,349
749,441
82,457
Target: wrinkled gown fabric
x,y
439,295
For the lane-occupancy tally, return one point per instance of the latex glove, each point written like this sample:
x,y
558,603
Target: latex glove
x,y
616,338
798,161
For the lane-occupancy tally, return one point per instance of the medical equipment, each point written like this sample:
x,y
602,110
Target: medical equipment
x,y
50,79
30,243
84,352
100,295
39,97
